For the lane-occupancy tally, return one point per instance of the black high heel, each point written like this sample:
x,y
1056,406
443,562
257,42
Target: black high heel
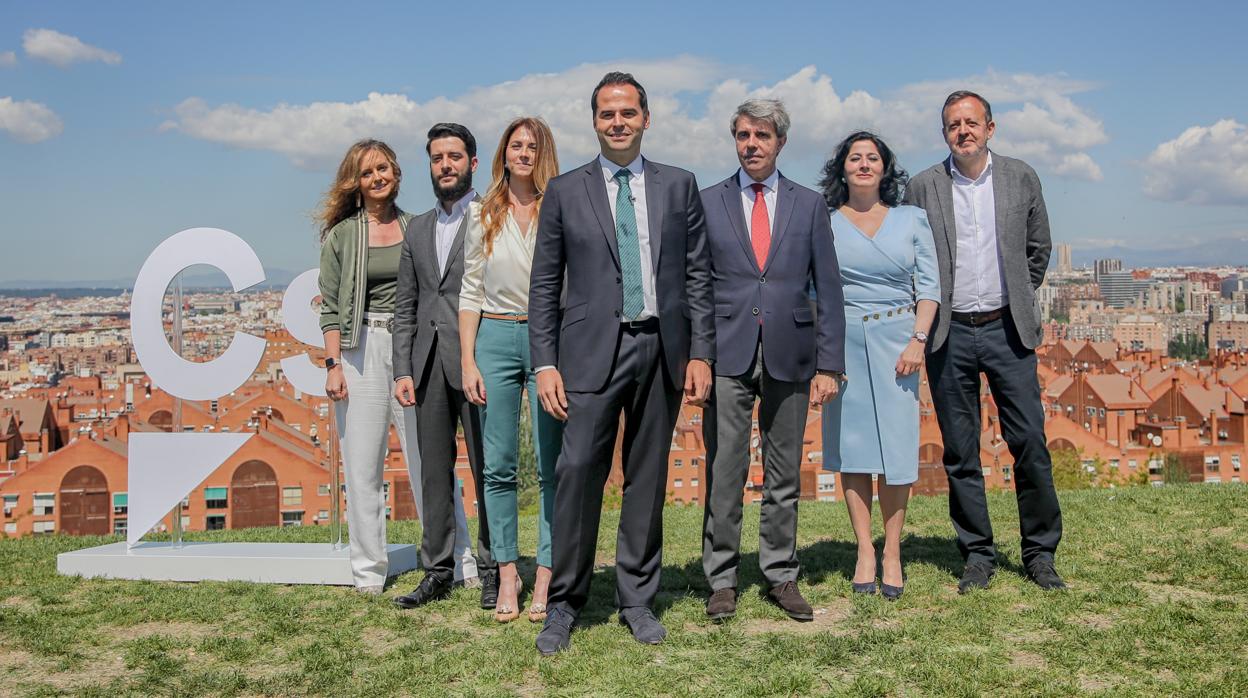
x,y
867,588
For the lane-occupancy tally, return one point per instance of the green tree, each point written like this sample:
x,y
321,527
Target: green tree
x,y
1173,472
1069,472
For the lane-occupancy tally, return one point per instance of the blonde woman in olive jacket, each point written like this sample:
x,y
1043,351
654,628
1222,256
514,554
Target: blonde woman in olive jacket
x,y
362,234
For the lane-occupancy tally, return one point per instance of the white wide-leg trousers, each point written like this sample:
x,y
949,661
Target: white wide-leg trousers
x,y
364,419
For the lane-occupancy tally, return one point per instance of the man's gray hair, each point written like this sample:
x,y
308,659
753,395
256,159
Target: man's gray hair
x,y
770,110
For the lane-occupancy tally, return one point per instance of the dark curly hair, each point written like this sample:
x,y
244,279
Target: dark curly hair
x,y
835,191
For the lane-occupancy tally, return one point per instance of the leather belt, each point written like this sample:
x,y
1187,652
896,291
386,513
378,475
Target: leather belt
x,y
385,323
980,318
650,324
505,317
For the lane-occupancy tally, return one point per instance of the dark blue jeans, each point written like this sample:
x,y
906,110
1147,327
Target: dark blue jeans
x,y
953,372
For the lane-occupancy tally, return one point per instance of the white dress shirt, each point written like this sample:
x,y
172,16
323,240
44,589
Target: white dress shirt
x,y
448,226
977,277
769,198
637,185
498,283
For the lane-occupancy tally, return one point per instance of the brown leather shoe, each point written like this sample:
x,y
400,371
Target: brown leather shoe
x,y
790,600
723,604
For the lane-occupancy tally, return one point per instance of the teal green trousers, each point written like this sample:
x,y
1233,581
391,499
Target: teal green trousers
x,y
503,359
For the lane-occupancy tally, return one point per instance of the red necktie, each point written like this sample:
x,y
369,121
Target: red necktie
x,y
760,227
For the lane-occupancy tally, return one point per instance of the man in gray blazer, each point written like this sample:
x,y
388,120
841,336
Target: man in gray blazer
x,y
625,239
771,243
427,367
992,243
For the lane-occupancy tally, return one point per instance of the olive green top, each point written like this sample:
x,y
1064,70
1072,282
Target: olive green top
x,y
343,276
383,277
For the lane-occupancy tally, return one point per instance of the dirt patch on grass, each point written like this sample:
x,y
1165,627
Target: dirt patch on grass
x,y
379,642
1022,659
828,619
1034,636
26,669
1094,684
20,603
180,630
1095,621
1165,593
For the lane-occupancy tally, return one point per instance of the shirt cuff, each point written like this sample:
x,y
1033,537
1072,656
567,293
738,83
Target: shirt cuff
x,y
539,369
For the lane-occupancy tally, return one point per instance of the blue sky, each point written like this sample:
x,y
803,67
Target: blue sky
x,y
126,123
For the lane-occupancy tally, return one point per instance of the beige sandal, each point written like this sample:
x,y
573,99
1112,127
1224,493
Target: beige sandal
x,y
506,614
537,613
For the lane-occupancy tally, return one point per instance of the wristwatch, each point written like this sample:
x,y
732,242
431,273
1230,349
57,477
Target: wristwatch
x,y
330,363
921,337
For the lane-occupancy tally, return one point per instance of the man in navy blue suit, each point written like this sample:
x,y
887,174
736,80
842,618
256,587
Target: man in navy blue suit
x,y
770,243
621,240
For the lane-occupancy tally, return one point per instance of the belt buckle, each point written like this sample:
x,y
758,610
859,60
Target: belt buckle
x,y
636,324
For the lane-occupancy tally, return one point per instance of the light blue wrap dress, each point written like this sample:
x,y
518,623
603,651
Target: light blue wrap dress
x,y
873,425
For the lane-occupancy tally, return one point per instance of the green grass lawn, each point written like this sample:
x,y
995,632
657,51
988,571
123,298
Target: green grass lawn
x,y
1158,605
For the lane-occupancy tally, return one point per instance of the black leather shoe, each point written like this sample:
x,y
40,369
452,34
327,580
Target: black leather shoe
x,y
430,589
975,576
645,627
1045,576
556,634
865,588
790,600
723,604
489,589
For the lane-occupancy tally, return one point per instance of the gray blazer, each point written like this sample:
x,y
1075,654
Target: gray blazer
x,y
577,257
1022,234
426,304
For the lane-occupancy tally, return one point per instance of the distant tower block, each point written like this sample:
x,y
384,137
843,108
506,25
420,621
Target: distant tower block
x,y
1064,265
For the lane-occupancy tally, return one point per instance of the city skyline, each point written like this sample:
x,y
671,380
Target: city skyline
x,y
134,124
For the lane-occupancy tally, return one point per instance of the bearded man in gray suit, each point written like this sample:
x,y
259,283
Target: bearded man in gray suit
x,y
992,242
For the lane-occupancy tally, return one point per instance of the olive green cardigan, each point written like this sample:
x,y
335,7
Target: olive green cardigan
x,y
344,257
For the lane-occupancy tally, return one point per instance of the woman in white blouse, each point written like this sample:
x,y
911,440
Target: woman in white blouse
x,y
494,343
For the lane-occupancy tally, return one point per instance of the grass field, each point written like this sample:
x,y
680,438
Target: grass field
x,y
1158,605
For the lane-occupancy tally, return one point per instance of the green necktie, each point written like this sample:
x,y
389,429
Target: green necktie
x,y
630,247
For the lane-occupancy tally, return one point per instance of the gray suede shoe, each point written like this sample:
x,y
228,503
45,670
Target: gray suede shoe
x,y
646,628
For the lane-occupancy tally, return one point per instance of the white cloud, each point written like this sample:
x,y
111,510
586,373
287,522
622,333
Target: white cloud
x,y
61,50
28,122
691,100
1204,165
8,59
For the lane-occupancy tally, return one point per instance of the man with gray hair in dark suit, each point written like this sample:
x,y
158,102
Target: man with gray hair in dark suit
x,y
771,243
992,242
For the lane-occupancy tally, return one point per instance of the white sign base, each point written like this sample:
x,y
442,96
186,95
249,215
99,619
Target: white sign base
x,y
266,563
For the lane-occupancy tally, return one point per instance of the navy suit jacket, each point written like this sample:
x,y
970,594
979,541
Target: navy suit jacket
x,y
797,339
576,254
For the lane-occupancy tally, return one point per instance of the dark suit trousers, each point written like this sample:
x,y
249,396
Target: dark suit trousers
x,y
639,387
440,407
727,430
953,372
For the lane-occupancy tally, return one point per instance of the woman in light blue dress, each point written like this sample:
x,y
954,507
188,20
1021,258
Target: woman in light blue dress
x,y
888,272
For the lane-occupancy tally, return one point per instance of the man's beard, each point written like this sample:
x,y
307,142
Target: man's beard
x,y
455,191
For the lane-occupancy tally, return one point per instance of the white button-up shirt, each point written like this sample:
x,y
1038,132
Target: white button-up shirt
x,y
448,225
637,185
769,198
977,276
497,282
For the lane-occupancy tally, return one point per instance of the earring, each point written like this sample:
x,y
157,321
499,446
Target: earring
x,y
358,202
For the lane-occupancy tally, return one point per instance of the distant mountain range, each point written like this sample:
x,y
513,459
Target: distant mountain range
x,y
1231,251
273,278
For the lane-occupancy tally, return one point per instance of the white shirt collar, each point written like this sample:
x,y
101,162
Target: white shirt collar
x,y
983,176
634,167
769,184
458,208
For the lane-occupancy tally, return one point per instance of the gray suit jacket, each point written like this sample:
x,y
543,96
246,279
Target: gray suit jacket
x,y
577,256
426,304
1022,235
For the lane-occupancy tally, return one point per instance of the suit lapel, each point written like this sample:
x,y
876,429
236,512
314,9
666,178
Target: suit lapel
x,y
784,211
1001,192
944,198
654,211
731,195
428,238
597,189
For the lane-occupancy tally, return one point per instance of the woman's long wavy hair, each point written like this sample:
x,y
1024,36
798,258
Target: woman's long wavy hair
x,y
545,167
892,183
343,198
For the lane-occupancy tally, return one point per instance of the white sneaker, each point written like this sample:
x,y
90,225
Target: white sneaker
x,y
371,590
473,582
